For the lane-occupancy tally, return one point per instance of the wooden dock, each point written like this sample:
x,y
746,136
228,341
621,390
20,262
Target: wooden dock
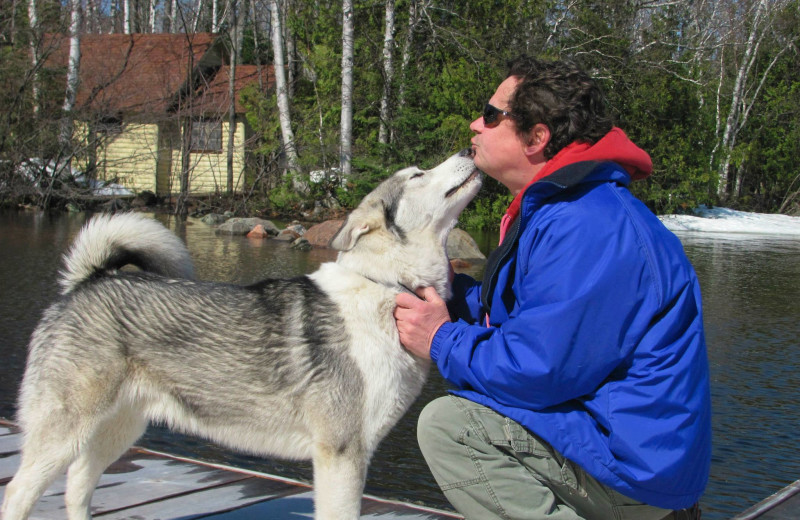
x,y
145,484
783,505
149,485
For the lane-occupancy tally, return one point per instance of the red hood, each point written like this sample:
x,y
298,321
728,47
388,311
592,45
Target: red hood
x,y
614,147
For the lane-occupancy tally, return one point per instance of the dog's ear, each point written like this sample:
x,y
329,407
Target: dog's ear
x,y
354,228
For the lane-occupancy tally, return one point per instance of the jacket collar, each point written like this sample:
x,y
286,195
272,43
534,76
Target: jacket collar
x,y
565,168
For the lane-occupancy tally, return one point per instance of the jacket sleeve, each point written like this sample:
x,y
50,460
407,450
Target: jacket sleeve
x,y
466,301
582,298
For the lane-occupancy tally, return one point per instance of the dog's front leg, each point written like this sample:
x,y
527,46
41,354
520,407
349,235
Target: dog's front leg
x,y
339,475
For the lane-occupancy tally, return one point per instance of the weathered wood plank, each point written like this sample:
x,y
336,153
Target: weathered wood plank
x,y
135,479
206,502
10,443
8,466
149,485
302,506
783,505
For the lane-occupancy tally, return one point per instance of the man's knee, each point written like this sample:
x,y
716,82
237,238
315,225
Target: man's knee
x,y
438,426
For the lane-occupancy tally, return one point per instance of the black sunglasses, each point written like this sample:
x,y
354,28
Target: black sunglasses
x,y
493,115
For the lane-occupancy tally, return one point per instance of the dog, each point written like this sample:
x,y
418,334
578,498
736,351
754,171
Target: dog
x,y
303,368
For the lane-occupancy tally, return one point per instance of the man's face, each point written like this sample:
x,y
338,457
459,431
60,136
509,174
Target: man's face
x,y
499,151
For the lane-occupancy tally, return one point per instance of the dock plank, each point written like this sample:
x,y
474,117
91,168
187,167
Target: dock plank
x,y
209,501
783,505
10,443
147,485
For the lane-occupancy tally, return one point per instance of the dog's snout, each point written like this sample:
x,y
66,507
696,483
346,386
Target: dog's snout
x,y
466,152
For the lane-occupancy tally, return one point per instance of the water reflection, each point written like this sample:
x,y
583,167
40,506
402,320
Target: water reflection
x,y
751,290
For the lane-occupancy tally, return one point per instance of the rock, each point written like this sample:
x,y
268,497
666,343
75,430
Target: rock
x,y
258,232
301,244
144,199
297,228
234,227
114,205
213,219
461,245
242,226
286,237
320,235
288,234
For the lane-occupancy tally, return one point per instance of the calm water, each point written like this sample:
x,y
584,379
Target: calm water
x,y
751,292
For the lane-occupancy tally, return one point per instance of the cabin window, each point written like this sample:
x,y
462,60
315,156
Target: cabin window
x,y
108,126
206,136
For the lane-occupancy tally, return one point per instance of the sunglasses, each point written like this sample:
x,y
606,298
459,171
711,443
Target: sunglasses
x,y
493,115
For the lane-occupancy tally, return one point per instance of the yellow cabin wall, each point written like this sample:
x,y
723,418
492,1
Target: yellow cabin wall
x,y
209,170
147,156
129,158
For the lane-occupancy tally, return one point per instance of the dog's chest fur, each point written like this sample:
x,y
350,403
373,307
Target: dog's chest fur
x,y
392,376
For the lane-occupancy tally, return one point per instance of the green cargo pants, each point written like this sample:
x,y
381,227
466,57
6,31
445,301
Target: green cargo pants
x,y
489,466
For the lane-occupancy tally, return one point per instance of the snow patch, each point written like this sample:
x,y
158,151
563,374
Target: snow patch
x,y
729,221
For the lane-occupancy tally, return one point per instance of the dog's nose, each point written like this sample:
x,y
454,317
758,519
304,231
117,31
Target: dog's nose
x,y
466,152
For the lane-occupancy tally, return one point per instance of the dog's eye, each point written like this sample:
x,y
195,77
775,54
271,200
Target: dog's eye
x,y
418,174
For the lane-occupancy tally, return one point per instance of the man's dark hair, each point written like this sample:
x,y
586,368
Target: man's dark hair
x,y
561,96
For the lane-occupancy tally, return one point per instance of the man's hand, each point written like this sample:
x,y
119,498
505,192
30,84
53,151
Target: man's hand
x,y
418,320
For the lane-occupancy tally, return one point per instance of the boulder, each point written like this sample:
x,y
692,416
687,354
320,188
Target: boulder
x,y
462,246
301,244
242,226
213,219
297,228
320,235
258,232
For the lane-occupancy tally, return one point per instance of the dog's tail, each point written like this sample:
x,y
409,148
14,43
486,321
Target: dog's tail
x,y
109,242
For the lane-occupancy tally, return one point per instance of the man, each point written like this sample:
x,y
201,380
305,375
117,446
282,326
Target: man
x,y
579,363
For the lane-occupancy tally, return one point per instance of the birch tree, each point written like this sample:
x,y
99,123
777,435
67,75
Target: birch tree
x,y
281,88
35,58
405,57
744,92
126,17
153,16
234,51
348,54
73,74
388,72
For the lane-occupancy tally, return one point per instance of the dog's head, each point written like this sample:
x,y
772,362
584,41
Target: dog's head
x,y
407,218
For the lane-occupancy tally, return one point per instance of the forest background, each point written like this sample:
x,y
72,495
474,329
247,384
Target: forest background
x,y
710,88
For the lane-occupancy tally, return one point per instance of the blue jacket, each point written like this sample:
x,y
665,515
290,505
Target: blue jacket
x,y
596,339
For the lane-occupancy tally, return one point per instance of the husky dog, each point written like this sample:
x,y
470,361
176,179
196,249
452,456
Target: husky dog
x,y
305,368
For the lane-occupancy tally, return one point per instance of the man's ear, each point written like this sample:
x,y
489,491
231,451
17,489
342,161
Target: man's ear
x,y
354,227
538,139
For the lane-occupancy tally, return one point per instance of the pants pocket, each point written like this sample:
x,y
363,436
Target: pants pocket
x,y
538,456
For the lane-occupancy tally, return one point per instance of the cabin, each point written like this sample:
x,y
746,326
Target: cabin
x,y
151,107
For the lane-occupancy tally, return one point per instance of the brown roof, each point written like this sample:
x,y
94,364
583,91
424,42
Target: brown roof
x,y
214,98
144,73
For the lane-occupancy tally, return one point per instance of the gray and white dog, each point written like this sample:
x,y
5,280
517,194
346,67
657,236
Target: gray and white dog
x,y
305,368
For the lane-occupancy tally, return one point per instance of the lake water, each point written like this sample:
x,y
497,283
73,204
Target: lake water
x,y
751,294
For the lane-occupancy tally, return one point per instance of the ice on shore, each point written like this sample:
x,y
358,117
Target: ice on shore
x,y
729,221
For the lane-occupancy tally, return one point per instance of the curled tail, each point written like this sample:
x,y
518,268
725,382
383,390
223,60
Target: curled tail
x,y
109,242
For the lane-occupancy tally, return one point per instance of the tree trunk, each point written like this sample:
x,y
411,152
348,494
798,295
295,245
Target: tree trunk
x,y
233,29
34,43
280,88
413,20
732,124
348,52
126,17
153,16
173,16
197,12
388,73
215,16
73,75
